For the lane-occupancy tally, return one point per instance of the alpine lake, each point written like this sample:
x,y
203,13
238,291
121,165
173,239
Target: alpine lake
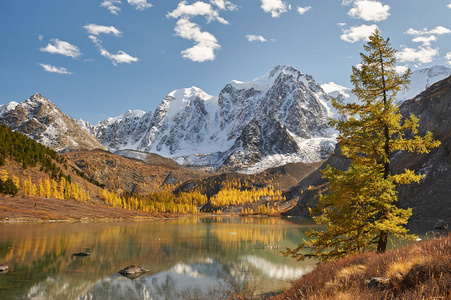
x,y
188,258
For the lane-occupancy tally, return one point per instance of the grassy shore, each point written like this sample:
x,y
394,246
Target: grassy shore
x,y
36,209
419,271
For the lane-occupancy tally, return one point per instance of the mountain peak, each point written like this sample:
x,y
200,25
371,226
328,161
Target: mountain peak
x,y
438,70
189,93
40,119
39,98
263,83
286,69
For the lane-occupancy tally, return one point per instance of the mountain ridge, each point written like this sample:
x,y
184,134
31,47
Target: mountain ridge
x,y
41,120
283,107
280,117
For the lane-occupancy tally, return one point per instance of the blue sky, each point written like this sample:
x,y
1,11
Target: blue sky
x,y
99,58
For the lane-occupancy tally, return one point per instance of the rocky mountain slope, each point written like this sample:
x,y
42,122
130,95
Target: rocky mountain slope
x,y
123,174
42,121
278,118
430,198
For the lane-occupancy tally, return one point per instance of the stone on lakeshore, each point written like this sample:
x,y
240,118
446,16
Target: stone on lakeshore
x,y
81,254
440,224
377,282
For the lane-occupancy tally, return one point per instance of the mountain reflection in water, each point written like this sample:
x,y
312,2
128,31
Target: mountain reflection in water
x,y
195,257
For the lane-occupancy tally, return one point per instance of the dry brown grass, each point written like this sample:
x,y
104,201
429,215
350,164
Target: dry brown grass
x,y
419,271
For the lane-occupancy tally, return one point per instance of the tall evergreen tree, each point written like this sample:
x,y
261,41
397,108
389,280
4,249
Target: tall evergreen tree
x,y
360,207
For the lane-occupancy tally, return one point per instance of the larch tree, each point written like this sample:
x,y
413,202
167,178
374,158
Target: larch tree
x,y
359,208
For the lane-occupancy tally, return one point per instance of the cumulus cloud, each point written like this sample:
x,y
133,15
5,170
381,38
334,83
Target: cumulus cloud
x,y
358,33
139,4
341,24
95,29
303,10
275,7
111,6
54,69
425,40
255,38
205,43
369,10
448,56
439,30
40,37
199,8
401,69
424,53
421,55
63,48
119,58
224,5
449,5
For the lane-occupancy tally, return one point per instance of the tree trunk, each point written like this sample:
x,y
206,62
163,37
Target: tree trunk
x,y
382,243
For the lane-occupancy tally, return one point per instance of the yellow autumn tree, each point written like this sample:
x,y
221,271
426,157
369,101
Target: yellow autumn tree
x,y
360,207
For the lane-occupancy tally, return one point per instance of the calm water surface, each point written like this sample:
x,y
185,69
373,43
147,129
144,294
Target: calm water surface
x,y
188,258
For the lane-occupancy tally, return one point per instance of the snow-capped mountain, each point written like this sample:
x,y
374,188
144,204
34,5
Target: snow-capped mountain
x,y
339,92
42,121
274,115
420,80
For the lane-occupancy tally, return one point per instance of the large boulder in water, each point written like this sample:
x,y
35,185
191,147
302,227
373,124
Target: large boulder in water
x,y
133,271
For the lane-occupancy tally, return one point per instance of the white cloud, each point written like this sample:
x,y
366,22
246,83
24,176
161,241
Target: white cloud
x,y
369,10
111,6
206,43
53,69
421,55
303,10
347,2
119,58
95,40
224,5
358,33
98,29
439,30
449,6
40,37
255,38
341,24
139,4
199,8
426,40
401,69
448,56
275,7
63,48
